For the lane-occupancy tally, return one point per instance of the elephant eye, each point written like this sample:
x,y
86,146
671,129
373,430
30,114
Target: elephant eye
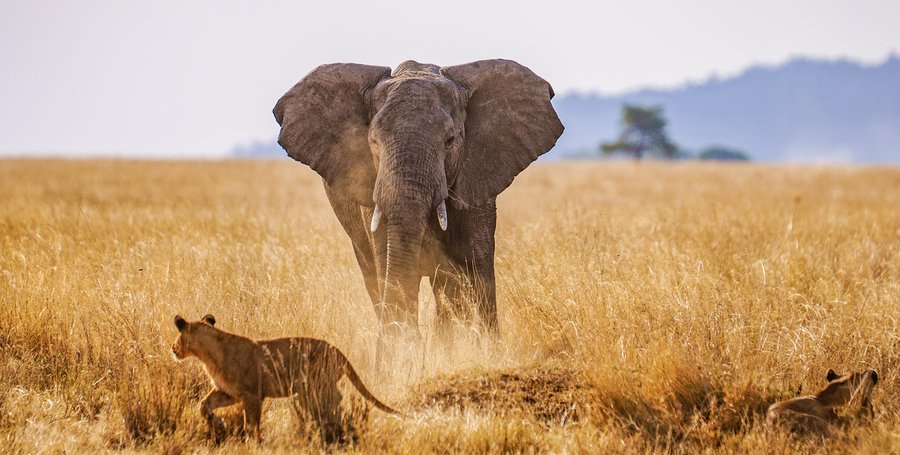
x,y
449,141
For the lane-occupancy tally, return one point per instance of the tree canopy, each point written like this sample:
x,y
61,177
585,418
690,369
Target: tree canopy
x,y
643,132
722,153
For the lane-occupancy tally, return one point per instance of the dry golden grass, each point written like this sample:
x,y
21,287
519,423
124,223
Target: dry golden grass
x,y
643,307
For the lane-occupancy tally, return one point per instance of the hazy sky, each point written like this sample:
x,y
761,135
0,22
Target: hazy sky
x,y
192,77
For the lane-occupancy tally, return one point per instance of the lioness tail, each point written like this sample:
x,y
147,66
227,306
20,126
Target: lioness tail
x,y
357,382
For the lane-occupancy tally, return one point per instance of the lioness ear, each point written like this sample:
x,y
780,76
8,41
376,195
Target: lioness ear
x,y
209,319
180,322
831,376
874,377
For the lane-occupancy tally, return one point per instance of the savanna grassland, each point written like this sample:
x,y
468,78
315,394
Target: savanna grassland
x,y
644,307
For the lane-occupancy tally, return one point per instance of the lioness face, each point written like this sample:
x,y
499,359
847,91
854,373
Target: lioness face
x,y
181,348
852,388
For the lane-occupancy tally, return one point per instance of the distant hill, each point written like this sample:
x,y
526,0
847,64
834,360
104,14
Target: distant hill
x,y
804,110
259,149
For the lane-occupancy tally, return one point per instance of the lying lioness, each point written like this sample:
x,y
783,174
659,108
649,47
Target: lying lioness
x,y
816,413
248,371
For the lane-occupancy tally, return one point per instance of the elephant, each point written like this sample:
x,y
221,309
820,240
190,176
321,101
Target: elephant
x,y
412,162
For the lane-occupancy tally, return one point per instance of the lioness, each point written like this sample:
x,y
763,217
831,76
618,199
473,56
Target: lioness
x,y
246,370
816,413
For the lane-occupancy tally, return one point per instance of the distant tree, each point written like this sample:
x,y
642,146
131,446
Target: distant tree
x,y
720,153
643,132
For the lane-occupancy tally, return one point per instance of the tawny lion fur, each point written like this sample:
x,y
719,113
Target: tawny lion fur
x,y
248,371
817,413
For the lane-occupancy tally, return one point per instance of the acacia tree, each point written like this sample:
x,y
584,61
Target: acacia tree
x,y
643,131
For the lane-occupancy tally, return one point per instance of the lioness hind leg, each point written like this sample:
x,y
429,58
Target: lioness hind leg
x,y
301,408
325,407
213,400
799,422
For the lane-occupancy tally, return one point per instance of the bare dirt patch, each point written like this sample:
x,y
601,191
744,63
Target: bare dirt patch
x,y
550,395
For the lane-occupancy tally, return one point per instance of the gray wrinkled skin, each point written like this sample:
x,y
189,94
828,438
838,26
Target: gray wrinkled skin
x,y
406,141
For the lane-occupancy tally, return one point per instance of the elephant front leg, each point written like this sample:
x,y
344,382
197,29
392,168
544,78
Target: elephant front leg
x,y
369,269
355,221
465,291
486,292
481,264
470,251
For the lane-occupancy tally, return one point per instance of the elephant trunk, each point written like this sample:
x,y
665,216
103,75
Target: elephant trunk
x,y
409,193
405,225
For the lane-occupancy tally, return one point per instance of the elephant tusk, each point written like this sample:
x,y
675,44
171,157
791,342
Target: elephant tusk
x,y
442,215
376,217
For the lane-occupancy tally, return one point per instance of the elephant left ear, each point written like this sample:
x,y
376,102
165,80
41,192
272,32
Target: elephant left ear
x,y
509,123
324,122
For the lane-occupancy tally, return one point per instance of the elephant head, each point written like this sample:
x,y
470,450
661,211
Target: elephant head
x,y
409,142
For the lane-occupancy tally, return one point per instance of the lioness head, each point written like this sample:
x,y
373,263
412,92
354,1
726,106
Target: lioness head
x,y
848,389
182,348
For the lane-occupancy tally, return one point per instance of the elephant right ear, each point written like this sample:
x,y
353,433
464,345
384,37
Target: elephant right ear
x,y
325,124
